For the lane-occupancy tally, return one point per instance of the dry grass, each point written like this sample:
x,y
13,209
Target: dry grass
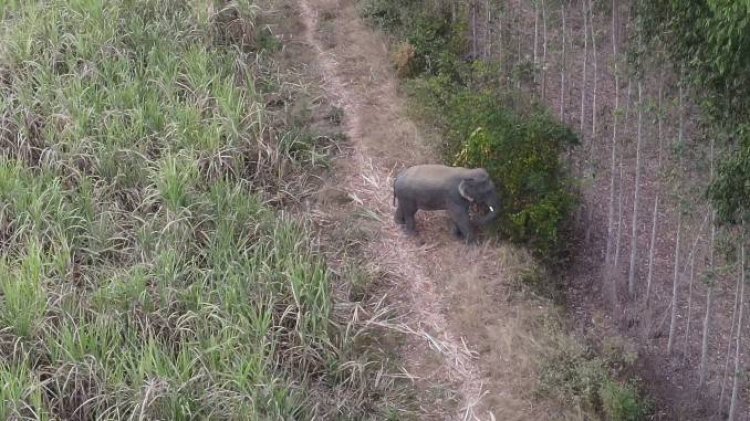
x,y
403,59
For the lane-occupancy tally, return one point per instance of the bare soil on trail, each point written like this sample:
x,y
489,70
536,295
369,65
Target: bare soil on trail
x,y
471,344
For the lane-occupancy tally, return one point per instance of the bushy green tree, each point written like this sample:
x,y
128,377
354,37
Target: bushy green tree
x,y
523,156
709,40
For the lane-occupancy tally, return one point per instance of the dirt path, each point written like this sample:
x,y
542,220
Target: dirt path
x,y
358,78
473,349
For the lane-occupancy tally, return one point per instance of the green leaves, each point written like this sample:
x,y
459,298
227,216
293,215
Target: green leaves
x,y
523,157
710,40
730,192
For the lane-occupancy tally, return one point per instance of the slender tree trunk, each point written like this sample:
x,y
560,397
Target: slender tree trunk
x,y
594,62
585,56
634,232
652,246
563,66
673,304
544,51
691,278
690,301
619,199
710,288
737,359
616,261
627,103
729,343
706,334
536,43
592,141
655,218
673,318
488,32
473,6
518,58
613,163
589,217
500,29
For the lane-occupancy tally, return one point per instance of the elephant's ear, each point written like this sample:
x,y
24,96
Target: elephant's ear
x,y
462,191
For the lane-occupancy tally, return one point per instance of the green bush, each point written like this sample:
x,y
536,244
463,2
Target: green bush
x,y
386,14
522,154
574,374
437,43
434,32
622,403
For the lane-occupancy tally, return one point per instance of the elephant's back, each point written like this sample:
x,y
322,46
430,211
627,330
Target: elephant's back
x,y
430,172
423,177
429,186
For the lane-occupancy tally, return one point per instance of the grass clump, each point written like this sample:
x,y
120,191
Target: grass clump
x,y
574,373
523,154
144,273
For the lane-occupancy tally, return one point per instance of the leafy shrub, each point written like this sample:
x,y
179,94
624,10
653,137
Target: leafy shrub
x,y
403,59
523,157
386,14
573,373
433,33
621,402
570,374
437,43
730,192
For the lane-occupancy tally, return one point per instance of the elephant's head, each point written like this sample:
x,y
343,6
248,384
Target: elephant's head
x,y
477,187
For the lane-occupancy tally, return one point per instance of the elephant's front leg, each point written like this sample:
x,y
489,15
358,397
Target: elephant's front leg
x,y
399,216
456,231
460,218
407,213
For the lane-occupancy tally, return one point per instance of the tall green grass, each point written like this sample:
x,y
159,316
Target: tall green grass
x,y
142,276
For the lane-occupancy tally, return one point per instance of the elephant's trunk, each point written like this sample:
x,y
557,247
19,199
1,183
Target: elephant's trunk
x,y
394,192
493,202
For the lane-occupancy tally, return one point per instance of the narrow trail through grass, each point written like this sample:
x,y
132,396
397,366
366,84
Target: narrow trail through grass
x,y
370,180
470,337
480,345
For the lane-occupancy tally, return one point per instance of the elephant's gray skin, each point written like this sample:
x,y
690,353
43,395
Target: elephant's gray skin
x,y
439,187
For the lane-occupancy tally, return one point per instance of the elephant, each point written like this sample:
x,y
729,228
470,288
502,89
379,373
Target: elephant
x,y
433,187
